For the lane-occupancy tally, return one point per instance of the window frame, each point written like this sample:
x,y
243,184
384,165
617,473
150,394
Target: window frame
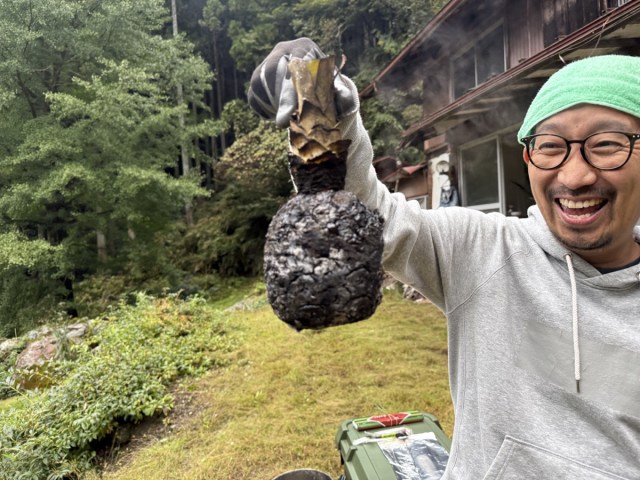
x,y
500,205
472,46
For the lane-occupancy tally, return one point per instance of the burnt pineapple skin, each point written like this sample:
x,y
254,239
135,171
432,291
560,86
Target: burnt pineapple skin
x,y
322,260
323,250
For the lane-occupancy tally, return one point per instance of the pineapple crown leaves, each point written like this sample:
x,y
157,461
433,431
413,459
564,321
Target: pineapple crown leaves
x,y
313,131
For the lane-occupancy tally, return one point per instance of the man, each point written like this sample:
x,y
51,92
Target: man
x,y
543,312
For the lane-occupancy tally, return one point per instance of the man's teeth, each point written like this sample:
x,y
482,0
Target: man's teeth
x,y
580,204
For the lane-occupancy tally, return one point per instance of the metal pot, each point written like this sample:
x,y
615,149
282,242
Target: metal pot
x,y
303,474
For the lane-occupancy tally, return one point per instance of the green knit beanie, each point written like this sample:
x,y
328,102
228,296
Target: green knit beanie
x,y
608,80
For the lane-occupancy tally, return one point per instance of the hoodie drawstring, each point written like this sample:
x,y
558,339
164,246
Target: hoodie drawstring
x,y
574,323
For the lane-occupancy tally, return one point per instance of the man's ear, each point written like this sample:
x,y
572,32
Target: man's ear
x,y
525,156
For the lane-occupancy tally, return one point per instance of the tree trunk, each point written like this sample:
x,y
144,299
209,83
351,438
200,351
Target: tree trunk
x,y
209,151
219,89
101,244
219,76
185,161
196,142
69,298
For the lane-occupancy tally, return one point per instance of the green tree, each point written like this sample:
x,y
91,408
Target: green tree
x,y
91,122
368,32
255,27
25,267
228,237
94,129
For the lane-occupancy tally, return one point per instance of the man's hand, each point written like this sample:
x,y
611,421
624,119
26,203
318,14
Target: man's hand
x,y
271,93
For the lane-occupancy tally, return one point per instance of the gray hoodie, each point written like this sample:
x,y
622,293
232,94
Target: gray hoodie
x,y
528,322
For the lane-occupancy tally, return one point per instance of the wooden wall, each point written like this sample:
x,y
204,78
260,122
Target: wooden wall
x,y
415,185
563,17
524,30
533,25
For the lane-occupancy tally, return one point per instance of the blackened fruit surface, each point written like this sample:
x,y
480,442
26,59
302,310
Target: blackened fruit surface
x,y
322,260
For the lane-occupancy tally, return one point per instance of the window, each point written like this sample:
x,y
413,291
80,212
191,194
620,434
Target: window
x,y
480,180
464,73
493,177
490,56
478,64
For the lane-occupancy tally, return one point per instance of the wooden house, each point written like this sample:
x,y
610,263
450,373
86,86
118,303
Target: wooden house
x,y
480,63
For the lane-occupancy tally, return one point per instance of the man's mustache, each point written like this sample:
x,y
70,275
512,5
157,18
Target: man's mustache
x,y
586,191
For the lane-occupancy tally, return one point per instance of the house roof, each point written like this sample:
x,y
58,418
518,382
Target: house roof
x,y
613,31
447,11
386,158
410,170
404,172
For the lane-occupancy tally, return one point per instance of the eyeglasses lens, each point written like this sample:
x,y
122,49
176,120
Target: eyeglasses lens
x,y
607,150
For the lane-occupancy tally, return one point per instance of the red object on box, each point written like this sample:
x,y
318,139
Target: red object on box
x,y
387,420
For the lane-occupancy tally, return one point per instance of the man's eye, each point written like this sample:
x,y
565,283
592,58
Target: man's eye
x,y
551,147
607,144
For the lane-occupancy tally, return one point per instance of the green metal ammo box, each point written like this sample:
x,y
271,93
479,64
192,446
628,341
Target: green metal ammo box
x,y
362,450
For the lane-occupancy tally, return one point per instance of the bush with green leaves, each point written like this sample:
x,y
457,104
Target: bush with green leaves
x,y
228,237
121,375
30,281
7,361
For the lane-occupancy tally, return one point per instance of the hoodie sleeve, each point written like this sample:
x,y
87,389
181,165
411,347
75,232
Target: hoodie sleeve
x,y
443,253
409,255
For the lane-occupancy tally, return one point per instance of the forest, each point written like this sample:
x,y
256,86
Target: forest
x,y
129,158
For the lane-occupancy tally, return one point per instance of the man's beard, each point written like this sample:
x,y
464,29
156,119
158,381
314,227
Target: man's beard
x,y
584,244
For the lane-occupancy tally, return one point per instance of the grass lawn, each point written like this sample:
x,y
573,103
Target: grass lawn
x,y
278,406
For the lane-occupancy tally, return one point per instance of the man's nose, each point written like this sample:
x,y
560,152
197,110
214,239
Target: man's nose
x,y
576,171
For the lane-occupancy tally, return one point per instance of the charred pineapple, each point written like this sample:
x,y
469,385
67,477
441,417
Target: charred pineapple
x,y
323,250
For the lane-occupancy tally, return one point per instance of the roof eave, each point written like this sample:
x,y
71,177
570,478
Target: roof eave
x,y
606,23
444,13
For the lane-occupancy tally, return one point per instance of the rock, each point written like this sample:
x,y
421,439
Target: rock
x,y
31,364
9,346
391,284
38,332
123,433
76,332
412,294
38,353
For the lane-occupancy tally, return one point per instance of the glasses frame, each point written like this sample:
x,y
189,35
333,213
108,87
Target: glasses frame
x,y
527,143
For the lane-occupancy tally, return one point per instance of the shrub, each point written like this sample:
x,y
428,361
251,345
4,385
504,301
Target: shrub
x,y
140,350
228,237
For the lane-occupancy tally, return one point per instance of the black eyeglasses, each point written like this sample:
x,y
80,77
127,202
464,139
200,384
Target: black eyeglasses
x,y
602,150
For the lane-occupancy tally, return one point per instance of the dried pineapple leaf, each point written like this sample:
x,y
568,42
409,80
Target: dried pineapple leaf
x,y
313,133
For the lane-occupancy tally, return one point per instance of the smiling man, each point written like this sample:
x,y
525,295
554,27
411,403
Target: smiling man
x,y
543,312
583,164
587,190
